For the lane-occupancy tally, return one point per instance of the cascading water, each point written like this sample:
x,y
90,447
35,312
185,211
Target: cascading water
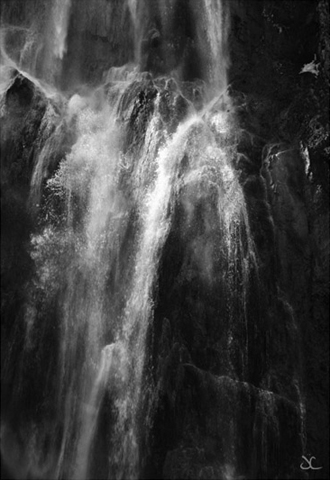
x,y
141,149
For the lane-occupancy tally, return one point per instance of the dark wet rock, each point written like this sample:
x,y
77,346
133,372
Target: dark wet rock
x,y
138,104
101,35
192,316
297,221
23,108
270,43
135,110
283,136
28,120
173,106
264,423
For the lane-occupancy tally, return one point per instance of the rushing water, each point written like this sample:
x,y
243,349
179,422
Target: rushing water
x,y
105,215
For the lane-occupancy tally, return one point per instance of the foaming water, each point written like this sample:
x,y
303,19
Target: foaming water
x,y
98,212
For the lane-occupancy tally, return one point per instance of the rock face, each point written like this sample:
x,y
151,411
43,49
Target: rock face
x,y
271,42
205,448
28,119
23,108
208,390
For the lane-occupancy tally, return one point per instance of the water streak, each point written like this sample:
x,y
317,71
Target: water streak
x,y
60,17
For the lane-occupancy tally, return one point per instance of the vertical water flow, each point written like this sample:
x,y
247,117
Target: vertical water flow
x,y
102,283
75,254
212,20
95,211
90,410
61,14
55,39
133,8
88,180
202,140
156,213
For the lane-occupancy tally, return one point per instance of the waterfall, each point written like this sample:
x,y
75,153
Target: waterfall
x,y
214,45
122,166
61,22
